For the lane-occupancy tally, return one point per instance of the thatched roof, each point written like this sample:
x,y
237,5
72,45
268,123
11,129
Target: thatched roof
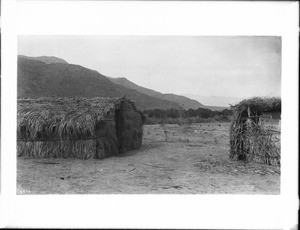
x,y
248,138
259,105
49,118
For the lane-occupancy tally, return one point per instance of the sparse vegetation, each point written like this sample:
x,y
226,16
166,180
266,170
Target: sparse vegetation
x,y
190,162
182,117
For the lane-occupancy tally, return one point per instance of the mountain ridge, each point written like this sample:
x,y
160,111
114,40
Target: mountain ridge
x,y
38,79
45,59
184,102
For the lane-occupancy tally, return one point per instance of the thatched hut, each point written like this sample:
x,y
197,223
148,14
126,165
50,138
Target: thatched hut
x,y
250,137
77,127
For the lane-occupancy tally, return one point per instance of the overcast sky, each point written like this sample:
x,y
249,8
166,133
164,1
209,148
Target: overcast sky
x,y
217,66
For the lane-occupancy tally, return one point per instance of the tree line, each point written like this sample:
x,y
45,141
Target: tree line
x,y
190,113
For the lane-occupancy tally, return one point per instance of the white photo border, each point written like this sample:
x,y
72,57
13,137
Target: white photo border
x,y
150,18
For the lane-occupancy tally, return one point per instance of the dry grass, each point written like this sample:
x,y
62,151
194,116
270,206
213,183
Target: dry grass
x,y
258,105
130,127
75,127
251,139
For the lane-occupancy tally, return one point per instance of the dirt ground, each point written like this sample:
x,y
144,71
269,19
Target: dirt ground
x,y
193,160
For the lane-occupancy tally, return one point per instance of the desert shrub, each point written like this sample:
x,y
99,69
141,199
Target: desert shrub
x,y
200,120
222,118
204,120
173,121
151,121
191,120
184,121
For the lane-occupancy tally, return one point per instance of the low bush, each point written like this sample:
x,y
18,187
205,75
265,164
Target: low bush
x,y
184,121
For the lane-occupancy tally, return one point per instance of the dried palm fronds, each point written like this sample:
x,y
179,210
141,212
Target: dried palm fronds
x,y
74,127
251,139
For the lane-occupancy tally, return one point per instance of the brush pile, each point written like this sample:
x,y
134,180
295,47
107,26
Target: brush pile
x,y
251,137
76,127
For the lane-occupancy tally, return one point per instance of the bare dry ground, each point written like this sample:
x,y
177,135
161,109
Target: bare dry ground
x,y
194,160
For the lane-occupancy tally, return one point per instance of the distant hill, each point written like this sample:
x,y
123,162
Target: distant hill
x,y
38,79
216,108
215,100
185,102
45,59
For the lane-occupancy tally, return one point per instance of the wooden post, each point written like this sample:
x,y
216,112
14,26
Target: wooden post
x,y
249,114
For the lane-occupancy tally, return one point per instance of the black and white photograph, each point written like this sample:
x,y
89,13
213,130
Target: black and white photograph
x,y
148,114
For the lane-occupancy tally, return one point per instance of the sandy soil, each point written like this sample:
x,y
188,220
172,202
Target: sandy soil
x,y
194,160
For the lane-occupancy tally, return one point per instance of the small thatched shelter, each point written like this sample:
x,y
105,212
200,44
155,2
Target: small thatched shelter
x,y
77,127
250,137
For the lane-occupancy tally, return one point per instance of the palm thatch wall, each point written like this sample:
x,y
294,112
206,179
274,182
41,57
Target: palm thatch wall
x,y
252,139
77,127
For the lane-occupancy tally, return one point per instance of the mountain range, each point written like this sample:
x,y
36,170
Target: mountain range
x,y
45,59
54,77
48,76
184,102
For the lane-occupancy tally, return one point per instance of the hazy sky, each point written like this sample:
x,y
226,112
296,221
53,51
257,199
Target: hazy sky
x,y
219,66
